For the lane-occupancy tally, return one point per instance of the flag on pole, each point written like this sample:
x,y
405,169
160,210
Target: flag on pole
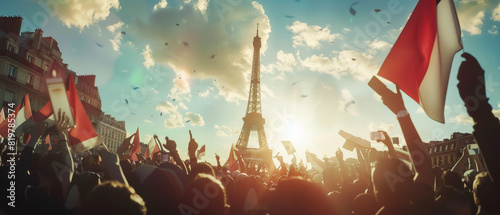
x,y
316,163
21,114
82,137
232,160
201,152
288,146
420,60
151,149
136,147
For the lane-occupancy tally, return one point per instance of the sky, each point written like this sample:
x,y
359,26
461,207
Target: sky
x,y
185,65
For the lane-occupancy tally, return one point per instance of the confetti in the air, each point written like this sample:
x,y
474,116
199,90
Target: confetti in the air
x,y
353,12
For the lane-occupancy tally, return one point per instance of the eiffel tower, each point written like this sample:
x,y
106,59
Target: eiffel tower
x,y
253,120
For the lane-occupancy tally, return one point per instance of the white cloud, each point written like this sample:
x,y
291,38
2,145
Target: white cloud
x,y
310,35
380,45
148,121
174,120
196,119
496,14
347,103
493,30
182,106
216,126
204,94
227,36
221,133
161,4
461,119
347,62
148,58
471,15
266,91
112,28
180,90
81,13
285,62
347,29
116,41
202,6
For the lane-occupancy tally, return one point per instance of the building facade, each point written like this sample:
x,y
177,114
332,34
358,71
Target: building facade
x,y
446,153
111,132
24,60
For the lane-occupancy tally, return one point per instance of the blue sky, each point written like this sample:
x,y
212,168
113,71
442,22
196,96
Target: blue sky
x,y
199,53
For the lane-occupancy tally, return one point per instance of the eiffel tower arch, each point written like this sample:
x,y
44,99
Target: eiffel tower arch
x,y
253,120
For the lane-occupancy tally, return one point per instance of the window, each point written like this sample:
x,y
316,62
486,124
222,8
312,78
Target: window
x,y
29,79
466,141
440,148
31,59
9,96
12,72
452,145
446,147
435,149
12,48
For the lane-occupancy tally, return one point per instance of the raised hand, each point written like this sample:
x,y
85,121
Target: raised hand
x,y
471,84
340,155
170,145
193,145
217,157
62,125
387,142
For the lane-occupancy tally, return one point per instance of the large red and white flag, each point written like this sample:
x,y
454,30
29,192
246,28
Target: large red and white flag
x,y
136,146
420,60
232,160
82,137
151,149
21,114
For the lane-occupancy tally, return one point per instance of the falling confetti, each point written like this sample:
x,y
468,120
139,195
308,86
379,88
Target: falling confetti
x,y
133,113
290,17
303,96
126,101
353,12
173,100
185,43
377,10
123,32
294,83
212,56
161,113
194,71
188,121
166,44
388,22
353,59
177,24
136,88
98,44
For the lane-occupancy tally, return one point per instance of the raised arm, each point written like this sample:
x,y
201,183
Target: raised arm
x,y
65,170
192,147
387,142
419,156
171,146
472,89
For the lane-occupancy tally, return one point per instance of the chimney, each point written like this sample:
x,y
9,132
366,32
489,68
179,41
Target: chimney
x,y
11,24
37,39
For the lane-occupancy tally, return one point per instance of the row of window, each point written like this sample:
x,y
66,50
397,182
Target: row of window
x,y
441,148
443,159
13,70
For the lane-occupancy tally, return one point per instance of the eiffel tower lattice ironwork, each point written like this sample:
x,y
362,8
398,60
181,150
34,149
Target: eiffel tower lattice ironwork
x,y
253,120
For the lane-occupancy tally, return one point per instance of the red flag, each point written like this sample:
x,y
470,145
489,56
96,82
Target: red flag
x,y
201,152
136,146
82,137
421,58
21,114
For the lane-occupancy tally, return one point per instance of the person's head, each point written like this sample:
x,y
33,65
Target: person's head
x,y
452,179
392,181
204,195
199,168
112,197
484,193
365,204
295,195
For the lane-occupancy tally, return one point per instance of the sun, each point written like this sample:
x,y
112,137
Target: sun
x,y
294,131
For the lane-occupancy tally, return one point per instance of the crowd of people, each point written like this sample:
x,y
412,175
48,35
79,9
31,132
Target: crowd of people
x,y
109,183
